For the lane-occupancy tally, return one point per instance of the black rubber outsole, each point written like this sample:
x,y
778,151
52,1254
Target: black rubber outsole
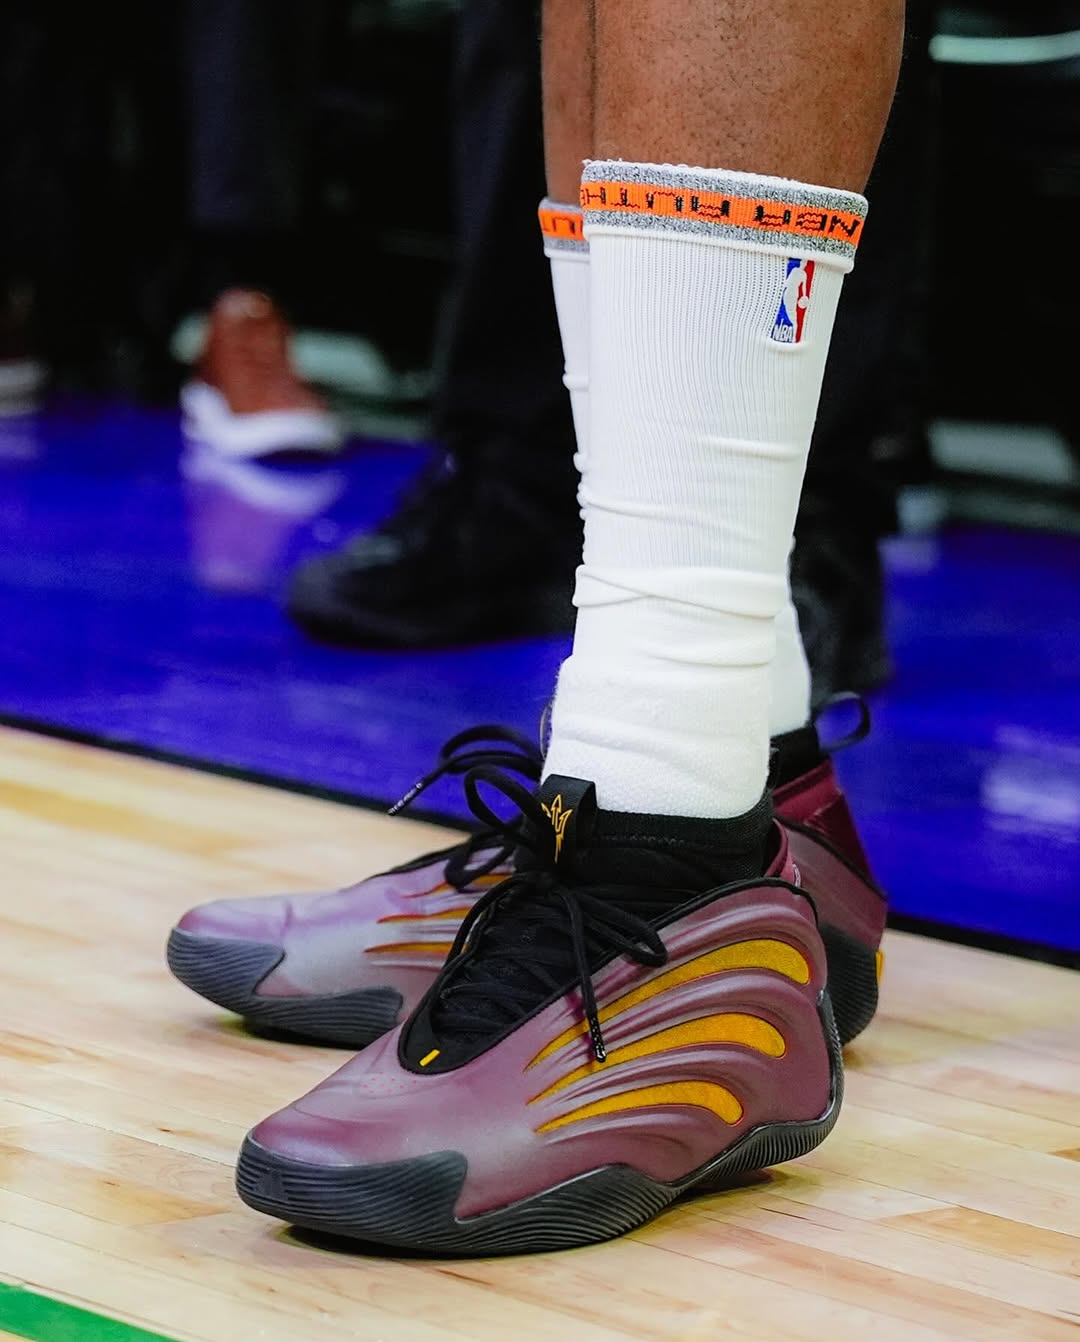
x,y
409,1204
227,971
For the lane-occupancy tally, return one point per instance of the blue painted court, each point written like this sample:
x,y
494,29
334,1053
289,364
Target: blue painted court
x,y
139,598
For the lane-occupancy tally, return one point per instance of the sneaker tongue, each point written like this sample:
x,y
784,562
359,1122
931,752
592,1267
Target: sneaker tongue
x,y
650,864
679,854
570,806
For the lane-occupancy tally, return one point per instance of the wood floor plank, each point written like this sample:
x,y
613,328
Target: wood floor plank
x,y
220,1253
124,1288
888,1246
1007,1240
959,1114
841,1274
945,1207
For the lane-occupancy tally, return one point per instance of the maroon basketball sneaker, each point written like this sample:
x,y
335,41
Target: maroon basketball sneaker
x,y
345,966
640,1010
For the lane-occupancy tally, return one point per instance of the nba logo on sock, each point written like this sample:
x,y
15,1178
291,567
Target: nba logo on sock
x,y
799,279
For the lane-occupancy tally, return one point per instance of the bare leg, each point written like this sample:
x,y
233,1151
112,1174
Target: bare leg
x,y
569,78
788,88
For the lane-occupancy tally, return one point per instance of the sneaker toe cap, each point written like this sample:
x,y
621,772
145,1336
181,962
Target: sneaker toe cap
x,y
262,920
293,1134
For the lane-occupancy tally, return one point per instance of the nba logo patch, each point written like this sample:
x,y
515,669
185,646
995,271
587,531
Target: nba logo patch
x,y
798,281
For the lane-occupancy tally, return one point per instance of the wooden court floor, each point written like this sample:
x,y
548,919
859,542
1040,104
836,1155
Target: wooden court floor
x,y
945,1205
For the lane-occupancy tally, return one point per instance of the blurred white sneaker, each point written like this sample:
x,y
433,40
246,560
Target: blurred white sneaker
x,y
246,399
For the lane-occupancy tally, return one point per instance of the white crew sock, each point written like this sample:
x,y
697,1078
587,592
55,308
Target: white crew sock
x,y
705,371
568,251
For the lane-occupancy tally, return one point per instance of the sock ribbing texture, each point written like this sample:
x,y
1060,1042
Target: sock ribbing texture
x,y
712,301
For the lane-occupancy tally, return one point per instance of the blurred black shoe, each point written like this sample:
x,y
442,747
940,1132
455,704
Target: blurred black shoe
x,y
837,585
484,547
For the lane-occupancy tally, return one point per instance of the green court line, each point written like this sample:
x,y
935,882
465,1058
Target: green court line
x,y
41,1319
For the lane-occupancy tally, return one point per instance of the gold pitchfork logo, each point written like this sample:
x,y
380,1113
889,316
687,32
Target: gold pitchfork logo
x,y
559,819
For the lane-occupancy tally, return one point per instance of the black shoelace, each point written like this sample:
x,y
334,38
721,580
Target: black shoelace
x,y
492,745
523,938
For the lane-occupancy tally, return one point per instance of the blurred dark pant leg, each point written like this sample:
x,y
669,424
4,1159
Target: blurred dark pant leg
x,y
54,82
872,412
500,365
873,381
251,67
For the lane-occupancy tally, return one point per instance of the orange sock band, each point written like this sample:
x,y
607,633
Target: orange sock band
x,y
563,226
736,207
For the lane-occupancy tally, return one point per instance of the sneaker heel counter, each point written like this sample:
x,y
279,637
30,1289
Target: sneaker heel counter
x,y
838,824
819,802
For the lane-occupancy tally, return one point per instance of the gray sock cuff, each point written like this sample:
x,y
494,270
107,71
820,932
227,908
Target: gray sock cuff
x,y
563,227
724,206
